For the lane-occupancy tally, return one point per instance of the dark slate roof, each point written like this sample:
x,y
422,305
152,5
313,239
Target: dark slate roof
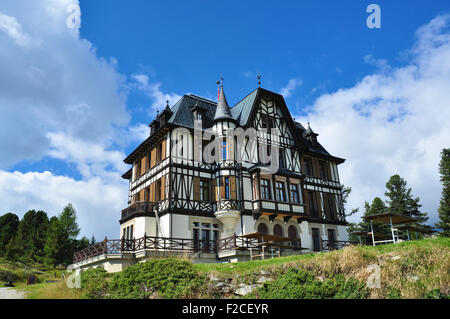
x,y
183,116
241,111
222,110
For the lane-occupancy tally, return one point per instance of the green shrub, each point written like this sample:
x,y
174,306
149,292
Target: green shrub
x,y
299,284
167,278
436,294
95,283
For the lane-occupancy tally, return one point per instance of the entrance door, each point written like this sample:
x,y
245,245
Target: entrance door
x,y
316,239
331,239
278,230
205,239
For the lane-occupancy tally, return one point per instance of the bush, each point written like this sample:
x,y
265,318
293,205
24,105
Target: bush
x,y
436,294
95,283
167,278
299,284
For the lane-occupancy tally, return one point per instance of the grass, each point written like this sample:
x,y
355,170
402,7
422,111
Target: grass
x,y
415,269
54,290
408,270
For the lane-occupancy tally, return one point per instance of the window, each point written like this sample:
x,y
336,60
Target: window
x,y
323,170
331,239
267,122
224,149
262,228
204,236
204,190
280,193
282,159
278,230
158,190
227,187
265,189
181,142
295,195
199,116
312,204
292,232
308,168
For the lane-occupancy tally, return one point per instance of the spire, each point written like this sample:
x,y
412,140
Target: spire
x,y
310,133
222,110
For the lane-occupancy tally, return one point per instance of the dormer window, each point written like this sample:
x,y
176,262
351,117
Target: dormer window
x,y
267,122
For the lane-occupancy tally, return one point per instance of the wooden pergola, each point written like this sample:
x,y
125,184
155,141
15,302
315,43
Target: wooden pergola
x,y
390,219
272,242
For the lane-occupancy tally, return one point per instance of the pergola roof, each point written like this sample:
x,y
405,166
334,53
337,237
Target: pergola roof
x,y
415,229
267,237
386,218
368,233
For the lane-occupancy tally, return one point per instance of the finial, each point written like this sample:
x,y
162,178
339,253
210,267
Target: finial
x,y
221,80
258,76
167,102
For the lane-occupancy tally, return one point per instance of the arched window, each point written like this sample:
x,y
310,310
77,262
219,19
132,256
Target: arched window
x,y
262,228
278,230
292,232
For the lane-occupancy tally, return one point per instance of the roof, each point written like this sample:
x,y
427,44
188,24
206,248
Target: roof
x,y
222,110
182,115
386,218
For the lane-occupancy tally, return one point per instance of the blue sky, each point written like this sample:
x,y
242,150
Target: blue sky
x,y
76,102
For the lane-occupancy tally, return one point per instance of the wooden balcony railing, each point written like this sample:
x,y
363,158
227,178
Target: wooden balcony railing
x,y
333,244
240,242
115,246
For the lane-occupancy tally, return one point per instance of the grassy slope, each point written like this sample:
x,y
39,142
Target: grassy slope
x,y
42,290
408,269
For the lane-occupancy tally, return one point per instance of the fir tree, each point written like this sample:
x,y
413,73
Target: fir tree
x,y
400,200
444,207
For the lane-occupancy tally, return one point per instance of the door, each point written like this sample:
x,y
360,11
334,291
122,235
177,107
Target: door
x,y
331,239
316,239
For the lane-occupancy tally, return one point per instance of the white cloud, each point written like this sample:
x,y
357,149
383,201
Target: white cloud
x,y
98,204
154,92
59,100
57,85
290,87
393,121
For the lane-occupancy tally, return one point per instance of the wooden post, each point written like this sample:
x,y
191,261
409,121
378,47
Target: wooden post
x,y
373,237
145,240
105,249
392,230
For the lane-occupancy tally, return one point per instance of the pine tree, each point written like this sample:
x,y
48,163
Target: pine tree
x,y
444,207
56,243
8,228
400,200
68,219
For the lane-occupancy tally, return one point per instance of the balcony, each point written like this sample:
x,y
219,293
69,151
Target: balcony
x,y
279,207
145,208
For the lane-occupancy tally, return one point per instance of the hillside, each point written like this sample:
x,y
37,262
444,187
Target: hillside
x,y
416,269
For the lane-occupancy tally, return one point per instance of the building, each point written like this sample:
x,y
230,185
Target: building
x,y
203,176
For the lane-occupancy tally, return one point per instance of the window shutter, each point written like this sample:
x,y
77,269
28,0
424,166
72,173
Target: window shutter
x,y
153,158
152,192
163,152
222,187
163,187
196,188
233,187
230,149
214,188
143,166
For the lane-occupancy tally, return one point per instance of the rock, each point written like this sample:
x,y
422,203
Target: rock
x,y
263,272
413,278
220,284
213,278
320,278
395,257
244,289
263,279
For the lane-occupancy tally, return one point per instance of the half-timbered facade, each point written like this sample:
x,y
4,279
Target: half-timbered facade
x,y
175,193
